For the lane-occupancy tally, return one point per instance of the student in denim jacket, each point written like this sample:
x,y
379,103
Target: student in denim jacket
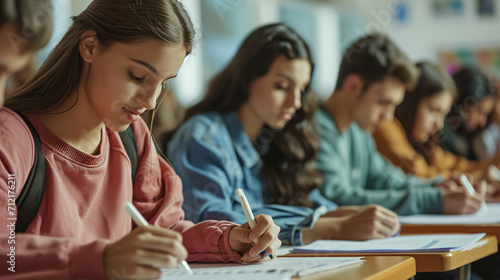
x,y
254,130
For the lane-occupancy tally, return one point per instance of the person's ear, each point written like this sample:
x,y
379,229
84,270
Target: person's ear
x,y
89,46
353,85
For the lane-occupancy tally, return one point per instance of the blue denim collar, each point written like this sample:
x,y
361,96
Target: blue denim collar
x,y
243,146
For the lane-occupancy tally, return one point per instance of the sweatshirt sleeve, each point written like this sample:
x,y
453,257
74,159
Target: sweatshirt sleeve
x,y
44,257
392,143
447,162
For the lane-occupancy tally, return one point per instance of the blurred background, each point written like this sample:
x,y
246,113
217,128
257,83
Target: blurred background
x,y
451,32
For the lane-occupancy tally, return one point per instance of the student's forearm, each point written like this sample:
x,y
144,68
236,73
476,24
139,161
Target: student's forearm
x,y
403,202
34,256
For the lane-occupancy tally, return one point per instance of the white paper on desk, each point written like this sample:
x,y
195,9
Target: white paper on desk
x,y
281,268
491,216
399,244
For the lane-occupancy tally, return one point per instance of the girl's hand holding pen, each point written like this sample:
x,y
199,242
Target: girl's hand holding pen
x,y
141,253
257,244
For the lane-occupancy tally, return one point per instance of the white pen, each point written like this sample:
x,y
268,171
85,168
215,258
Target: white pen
x,y
249,215
140,221
495,172
468,186
246,207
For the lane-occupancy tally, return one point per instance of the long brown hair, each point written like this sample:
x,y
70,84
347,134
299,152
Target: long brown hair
x,y
288,173
122,21
433,80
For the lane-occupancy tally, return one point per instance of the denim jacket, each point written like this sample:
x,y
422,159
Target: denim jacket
x,y
214,156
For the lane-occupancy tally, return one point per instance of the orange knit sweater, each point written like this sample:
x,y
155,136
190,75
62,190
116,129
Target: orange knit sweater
x,y
394,145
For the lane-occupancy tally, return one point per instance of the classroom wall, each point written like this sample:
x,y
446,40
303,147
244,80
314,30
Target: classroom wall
x,y
423,34
226,23
62,12
330,26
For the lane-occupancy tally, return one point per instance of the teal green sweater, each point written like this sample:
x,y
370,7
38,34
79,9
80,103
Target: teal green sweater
x,y
354,173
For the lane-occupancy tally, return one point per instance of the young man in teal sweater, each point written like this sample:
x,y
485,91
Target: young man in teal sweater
x,y
372,80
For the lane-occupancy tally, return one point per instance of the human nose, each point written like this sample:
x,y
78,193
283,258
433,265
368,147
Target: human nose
x,y
388,113
483,120
440,123
147,98
295,99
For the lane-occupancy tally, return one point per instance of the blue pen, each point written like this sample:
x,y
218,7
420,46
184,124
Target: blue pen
x,y
249,215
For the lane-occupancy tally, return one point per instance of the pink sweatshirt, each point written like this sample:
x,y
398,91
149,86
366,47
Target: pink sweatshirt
x,y
81,209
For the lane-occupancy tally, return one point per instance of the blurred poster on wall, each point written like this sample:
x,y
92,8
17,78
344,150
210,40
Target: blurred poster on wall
x,y
487,59
448,8
486,8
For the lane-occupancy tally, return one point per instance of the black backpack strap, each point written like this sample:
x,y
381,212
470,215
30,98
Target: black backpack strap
x,y
128,140
30,197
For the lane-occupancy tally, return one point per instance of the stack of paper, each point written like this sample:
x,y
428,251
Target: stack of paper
x,y
281,268
400,244
490,216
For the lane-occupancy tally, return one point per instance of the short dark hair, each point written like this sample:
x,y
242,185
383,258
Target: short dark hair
x,y
374,58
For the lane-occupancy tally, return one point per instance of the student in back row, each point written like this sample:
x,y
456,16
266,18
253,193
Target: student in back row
x,y
19,39
411,140
109,67
254,130
469,113
373,77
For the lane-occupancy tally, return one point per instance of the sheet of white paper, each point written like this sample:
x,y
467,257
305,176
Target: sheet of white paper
x,y
490,216
285,250
281,268
246,276
405,243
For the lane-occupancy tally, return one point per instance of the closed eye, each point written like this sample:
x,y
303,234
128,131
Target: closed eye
x,y
134,77
280,87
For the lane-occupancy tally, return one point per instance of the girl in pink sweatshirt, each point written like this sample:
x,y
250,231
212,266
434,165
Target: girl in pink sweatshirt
x,y
110,67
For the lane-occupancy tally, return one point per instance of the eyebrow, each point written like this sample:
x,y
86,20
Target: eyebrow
x,y
148,66
286,77
289,79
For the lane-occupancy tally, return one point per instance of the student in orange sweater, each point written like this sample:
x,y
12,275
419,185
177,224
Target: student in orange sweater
x,y
411,140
